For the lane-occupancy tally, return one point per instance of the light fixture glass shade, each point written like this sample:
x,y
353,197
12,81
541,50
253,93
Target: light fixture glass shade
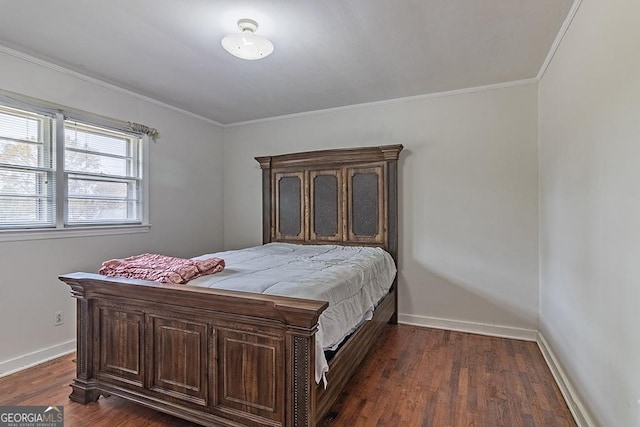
x,y
247,45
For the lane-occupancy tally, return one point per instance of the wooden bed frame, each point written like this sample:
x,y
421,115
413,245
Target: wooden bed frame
x,y
225,358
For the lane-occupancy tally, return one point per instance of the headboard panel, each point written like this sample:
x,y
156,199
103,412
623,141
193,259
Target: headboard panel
x,y
344,196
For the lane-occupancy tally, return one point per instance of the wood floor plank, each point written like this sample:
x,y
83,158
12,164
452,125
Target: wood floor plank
x,y
437,378
413,377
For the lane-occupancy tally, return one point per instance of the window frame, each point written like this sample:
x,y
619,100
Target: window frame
x,y
44,170
61,228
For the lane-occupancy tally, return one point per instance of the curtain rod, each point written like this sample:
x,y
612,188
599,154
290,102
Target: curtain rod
x,y
25,101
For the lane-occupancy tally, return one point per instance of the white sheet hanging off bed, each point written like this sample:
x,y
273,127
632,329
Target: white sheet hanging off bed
x,y
352,279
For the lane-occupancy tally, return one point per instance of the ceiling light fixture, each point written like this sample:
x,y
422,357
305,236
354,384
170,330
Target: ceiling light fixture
x,y
247,45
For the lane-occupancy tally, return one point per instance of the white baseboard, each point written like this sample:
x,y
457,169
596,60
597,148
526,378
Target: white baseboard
x,y
577,408
470,327
25,361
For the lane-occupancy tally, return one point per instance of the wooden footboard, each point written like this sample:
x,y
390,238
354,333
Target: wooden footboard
x,y
212,357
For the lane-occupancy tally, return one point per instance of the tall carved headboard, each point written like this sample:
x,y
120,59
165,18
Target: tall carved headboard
x,y
342,196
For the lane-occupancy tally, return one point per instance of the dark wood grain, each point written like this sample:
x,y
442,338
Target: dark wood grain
x,y
339,156
370,221
413,377
213,357
429,377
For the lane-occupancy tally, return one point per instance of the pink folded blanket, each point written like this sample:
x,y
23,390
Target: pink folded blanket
x,y
161,268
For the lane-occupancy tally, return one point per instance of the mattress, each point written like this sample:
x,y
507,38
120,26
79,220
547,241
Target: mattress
x,y
352,279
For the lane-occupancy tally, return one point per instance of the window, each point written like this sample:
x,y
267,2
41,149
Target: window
x,y
102,175
62,173
27,180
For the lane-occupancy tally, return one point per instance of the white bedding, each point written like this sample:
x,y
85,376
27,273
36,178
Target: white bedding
x,y
352,279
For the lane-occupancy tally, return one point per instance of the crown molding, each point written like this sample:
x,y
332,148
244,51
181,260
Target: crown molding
x,y
58,68
558,40
388,102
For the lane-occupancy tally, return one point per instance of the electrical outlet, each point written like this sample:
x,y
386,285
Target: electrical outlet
x,y
58,318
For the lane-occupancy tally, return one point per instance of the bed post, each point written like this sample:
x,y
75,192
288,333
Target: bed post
x,y
265,165
391,154
83,390
301,387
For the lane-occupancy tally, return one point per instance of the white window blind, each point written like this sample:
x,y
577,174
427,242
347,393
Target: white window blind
x,y
27,169
103,175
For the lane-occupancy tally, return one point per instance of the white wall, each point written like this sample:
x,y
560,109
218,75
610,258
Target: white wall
x,y
590,208
186,211
468,195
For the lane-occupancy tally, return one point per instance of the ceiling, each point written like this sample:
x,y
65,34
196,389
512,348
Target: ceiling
x,y
327,53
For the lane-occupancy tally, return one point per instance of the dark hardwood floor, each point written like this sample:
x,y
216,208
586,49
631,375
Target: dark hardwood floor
x,y
413,377
430,377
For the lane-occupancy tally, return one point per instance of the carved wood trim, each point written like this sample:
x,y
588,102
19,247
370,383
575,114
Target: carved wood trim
x,y
340,156
84,361
251,369
301,368
313,175
277,197
255,337
379,171
267,220
301,393
120,345
314,163
83,387
291,311
179,354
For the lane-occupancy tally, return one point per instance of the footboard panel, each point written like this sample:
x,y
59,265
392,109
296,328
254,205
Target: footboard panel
x,y
213,357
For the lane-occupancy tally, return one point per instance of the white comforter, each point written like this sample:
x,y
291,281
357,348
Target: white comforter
x,y
352,279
